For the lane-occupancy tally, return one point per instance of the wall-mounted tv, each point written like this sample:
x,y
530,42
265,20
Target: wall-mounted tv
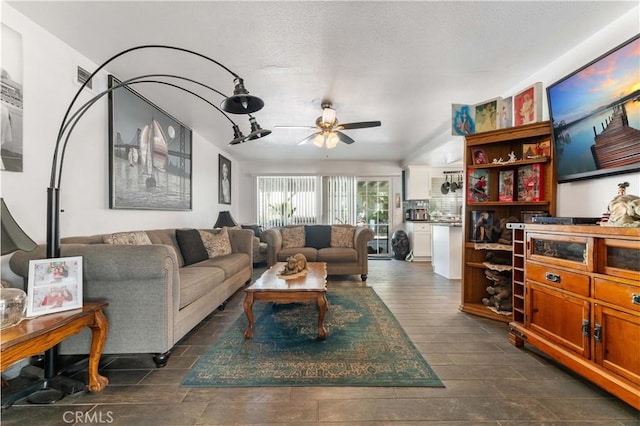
x,y
595,113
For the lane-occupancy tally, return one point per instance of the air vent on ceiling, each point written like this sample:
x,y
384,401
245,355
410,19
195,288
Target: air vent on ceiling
x,y
82,76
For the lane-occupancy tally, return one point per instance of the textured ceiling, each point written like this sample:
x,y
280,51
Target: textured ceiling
x,y
402,63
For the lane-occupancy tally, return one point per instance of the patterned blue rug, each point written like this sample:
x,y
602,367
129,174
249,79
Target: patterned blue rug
x,y
366,346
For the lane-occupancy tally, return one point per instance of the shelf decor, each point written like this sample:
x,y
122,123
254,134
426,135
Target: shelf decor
x,y
527,105
477,185
505,185
530,182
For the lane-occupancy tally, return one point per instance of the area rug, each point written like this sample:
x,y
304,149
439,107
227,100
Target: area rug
x,y
366,346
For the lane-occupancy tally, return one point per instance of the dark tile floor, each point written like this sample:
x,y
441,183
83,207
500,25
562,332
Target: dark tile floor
x,y
488,381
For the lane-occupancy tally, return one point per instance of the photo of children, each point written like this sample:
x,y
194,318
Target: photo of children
x,y
54,285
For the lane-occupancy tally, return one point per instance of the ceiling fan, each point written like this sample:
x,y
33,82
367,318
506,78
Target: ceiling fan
x,y
328,130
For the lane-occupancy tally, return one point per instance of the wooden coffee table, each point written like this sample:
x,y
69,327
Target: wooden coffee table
x,y
271,288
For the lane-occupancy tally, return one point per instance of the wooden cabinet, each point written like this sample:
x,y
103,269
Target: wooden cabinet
x,y
499,144
582,302
417,183
420,240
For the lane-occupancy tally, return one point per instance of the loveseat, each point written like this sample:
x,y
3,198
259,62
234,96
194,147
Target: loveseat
x,y
159,283
342,247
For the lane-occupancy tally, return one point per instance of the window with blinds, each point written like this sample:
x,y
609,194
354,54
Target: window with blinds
x,y
292,200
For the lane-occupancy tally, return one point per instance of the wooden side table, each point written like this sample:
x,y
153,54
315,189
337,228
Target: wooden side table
x,y
33,336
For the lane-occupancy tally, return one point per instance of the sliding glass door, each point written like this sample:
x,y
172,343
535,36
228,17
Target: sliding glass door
x,y
373,210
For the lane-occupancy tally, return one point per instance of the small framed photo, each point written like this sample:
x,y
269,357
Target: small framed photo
x,y
481,223
55,285
505,112
487,115
478,185
505,185
462,120
224,179
479,156
536,150
530,183
527,105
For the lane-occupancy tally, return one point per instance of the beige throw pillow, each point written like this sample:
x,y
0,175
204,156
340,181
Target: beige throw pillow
x,y
342,236
136,238
217,244
293,237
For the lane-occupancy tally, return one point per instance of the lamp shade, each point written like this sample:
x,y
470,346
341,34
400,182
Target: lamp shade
x,y
13,237
224,219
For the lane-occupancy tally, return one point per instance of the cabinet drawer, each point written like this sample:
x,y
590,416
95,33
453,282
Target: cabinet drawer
x,y
623,295
421,227
570,281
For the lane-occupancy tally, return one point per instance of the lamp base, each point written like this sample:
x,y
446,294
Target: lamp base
x,y
31,385
46,396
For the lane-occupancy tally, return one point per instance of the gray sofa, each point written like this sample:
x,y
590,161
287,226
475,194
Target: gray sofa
x,y
318,247
154,298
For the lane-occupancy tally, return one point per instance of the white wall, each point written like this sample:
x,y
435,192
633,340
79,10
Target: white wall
x,y
587,198
49,66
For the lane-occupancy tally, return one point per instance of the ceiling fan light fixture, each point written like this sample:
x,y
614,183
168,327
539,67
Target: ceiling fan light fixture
x,y
332,140
319,140
257,132
241,102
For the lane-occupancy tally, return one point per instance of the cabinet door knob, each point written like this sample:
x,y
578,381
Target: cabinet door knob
x,y
635,298
550,276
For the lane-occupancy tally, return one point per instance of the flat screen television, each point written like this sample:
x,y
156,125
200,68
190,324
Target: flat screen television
x,y
595,114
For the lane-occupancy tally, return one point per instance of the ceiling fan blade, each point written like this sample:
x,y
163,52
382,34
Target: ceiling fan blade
x,y
307,139
344,138
359,125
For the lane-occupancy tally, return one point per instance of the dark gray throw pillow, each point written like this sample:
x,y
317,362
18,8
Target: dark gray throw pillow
x,y
191,246
255,228
317,236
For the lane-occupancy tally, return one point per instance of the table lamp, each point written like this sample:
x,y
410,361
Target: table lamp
x,y
225,219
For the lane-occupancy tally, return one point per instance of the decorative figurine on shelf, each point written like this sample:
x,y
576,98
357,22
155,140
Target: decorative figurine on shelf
x,y
624,209
499,291
295,266
512,157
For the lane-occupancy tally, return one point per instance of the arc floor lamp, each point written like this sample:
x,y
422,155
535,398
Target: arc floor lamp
x,y
241,102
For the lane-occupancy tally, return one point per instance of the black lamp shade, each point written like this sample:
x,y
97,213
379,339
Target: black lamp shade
x,y
225,219
13,237
241,102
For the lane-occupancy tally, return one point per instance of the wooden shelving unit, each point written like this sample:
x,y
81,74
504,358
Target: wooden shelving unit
x,y
499,144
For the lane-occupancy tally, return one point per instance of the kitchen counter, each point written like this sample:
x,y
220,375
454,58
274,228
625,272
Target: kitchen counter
x,y
447,249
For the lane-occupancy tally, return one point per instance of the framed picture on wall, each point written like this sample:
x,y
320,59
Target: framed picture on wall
x,y
150,154
224,180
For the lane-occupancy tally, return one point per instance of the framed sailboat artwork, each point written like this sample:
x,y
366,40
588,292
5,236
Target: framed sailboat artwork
x,y
150,159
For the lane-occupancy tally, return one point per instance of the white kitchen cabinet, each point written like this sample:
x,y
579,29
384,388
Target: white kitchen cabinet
x,y
417,183
420,240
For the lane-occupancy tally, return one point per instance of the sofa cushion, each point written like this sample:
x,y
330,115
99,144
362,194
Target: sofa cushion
x,y
317,236
135,238
191,246
195,281
338,255
342,236
231,264
217,244
309,252
293,236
